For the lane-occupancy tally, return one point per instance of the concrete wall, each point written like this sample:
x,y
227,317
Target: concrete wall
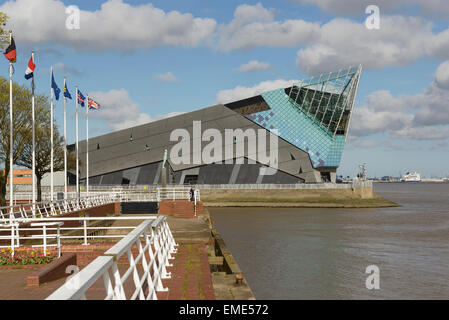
x,y
316,194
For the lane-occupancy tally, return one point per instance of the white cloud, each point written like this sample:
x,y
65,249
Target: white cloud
x,y
66,69
343,42
324,47
442,75
254,26
423,116
165,77
336,44
115,26
435,107
423,133
366,121
357,7
240,92
254,66
383,100
120,112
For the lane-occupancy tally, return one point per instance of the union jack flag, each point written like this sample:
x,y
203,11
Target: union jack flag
x,y
93,104
81,99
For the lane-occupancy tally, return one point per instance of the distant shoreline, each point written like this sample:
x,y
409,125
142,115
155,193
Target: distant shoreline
x,y
412,182
364,204
330,198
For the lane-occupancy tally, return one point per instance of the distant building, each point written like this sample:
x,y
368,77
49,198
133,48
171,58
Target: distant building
x,y
21,177
311,120
24,177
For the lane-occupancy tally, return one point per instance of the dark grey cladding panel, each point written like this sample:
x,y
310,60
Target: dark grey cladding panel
x,y
117,152
311,177
248,174
215,112
177,176
131,174
233,121
94,180
291,166
281,178
147,173
215,174
112,178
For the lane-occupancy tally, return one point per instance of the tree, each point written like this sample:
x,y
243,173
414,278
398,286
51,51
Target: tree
x,y
43,147
21,127
22,135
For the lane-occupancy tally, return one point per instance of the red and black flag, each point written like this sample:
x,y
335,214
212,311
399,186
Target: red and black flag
x,y
11,53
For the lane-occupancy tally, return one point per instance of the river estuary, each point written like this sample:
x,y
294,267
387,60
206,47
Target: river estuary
x,y
323,253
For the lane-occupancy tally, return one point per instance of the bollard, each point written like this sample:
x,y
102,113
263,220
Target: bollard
x,y
238,279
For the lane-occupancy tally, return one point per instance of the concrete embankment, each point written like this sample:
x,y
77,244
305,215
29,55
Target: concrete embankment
x,y
324,196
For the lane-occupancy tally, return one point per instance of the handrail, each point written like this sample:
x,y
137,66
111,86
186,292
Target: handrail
x,y
52,208
53,224
75,288
56,207
158,245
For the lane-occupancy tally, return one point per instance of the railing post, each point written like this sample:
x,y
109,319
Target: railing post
x,y
44,228
33,209
18,236
12,239
58,241
85,232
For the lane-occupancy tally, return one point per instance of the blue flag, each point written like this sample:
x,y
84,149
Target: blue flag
x,y
66,92
56,90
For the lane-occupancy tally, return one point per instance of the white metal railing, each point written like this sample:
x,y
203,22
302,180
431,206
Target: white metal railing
x,y
46,196
153,194
51,228
153,188
176,194
152,258
22,212
284,186
45,236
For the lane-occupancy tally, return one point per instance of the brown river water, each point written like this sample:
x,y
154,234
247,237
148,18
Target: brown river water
x,y
302,253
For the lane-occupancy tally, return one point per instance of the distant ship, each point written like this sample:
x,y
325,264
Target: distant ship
x,y
411,177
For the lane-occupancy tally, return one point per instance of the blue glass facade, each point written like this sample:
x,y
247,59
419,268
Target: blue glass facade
x,y
295,127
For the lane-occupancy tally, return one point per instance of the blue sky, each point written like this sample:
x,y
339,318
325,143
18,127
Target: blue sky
x,y
146,60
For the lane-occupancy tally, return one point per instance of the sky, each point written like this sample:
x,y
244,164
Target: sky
x,y
144,61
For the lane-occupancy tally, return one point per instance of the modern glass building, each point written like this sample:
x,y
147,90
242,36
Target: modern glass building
x,y
311,120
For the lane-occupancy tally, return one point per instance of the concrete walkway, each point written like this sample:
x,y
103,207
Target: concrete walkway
x,y
191,277
191,272
13,284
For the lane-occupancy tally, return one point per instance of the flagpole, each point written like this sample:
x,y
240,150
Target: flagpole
x,y
34,140
87,146
77,170
11,145
65,143
51,135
